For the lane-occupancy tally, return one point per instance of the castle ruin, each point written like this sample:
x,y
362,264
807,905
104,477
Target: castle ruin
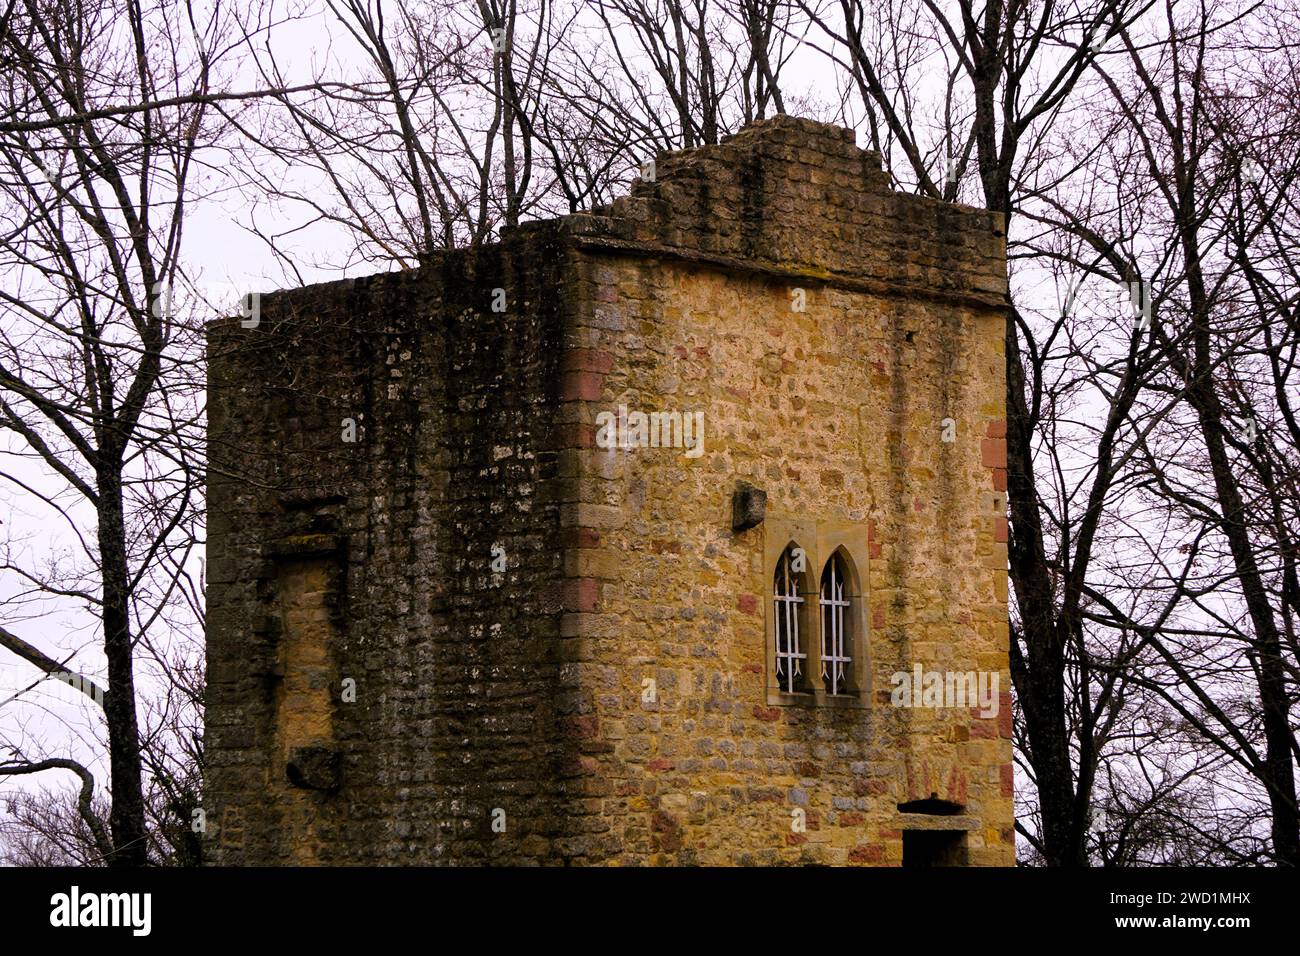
x,y
608,543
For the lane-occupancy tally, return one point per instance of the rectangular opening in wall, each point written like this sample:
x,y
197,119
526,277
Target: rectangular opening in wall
x,y
927,848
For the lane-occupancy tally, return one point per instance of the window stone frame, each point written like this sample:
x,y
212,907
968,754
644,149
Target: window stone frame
x,y
819,539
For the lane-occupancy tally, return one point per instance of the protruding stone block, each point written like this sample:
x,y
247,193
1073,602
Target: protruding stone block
x,y
315,768
748,507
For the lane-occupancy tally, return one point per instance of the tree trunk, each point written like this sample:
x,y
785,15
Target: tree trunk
x,y
126,818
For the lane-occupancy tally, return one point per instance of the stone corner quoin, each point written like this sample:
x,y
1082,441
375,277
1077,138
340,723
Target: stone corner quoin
x,y
496,544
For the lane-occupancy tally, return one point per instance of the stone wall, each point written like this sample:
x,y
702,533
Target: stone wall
x,y
471,635
353,608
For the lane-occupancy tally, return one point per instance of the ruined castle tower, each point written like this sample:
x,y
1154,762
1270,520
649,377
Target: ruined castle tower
x,y
660,534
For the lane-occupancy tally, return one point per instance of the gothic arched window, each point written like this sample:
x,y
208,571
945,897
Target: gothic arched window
x,y
791,657
836,628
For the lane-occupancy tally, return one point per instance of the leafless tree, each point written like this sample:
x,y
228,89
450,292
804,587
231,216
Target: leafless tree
x,y
100,393
443,122
1225,466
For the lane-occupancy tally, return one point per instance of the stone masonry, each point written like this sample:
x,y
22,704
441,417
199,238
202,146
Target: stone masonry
x,y
448,624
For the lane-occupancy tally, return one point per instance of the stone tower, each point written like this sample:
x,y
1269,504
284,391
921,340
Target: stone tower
x,y
668,533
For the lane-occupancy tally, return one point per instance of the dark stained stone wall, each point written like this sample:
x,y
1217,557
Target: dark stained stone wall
x,y
458,693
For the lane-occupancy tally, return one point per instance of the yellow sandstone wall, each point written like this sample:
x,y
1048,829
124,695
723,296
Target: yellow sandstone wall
x,y
838,413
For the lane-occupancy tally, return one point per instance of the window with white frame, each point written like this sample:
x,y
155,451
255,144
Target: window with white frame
x,y
787,605
836,629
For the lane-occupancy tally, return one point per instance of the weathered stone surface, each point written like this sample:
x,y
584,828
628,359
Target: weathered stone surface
x,y
527,647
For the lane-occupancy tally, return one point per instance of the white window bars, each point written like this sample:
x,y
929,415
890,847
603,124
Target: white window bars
x,y
835,642
786,601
